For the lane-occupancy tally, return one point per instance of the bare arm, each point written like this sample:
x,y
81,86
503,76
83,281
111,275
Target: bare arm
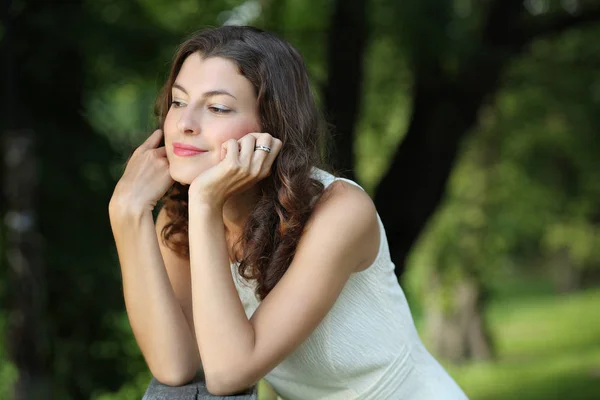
x,y
155,314
178,269
237,352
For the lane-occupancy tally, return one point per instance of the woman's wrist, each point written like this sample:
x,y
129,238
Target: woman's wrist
x,y
204,202
204,206
122,209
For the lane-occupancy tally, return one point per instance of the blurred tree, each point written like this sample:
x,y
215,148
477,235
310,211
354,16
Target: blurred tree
x,y
556,153
524,193
459,256
45,43
348,36
26,327
21,253
457,58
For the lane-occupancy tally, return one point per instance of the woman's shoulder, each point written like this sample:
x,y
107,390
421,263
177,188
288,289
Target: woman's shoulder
x,y
327,177
345,207
343,190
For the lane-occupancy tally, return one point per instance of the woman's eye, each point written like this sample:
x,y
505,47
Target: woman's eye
x,y
177,104
219,110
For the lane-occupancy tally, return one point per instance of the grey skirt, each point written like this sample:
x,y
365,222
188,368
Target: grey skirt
x,y
194,390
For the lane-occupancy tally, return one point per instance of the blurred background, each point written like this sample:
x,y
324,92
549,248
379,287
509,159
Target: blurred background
x,y
473,124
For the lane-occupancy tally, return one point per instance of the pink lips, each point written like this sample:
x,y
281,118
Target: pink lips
x,y
185,150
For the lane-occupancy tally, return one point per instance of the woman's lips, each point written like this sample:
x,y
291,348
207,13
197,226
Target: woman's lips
x,y
185,150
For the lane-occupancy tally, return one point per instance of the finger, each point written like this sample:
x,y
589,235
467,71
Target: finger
x,y
232,150
247,144
276,146
224,148
153,140
260,155
265,140
256,135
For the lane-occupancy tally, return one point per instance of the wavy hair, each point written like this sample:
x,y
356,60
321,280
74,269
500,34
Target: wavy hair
x,y
287,111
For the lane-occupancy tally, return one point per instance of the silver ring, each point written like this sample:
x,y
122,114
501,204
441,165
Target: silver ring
x,y
261,147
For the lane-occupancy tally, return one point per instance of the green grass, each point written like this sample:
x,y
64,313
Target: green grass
x,y
568,376
548,347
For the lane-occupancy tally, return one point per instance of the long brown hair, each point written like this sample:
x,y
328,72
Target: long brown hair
x,y
287,111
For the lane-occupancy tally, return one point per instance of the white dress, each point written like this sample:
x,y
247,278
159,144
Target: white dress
x,y
365,348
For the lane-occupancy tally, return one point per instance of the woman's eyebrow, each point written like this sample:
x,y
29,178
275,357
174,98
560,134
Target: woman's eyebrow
x,y
210,93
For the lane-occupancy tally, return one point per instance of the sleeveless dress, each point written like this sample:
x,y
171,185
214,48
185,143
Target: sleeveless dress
x,y
365,348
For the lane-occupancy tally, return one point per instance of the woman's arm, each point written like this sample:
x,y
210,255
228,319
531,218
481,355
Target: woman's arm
x,y
155,314
178,269
342,236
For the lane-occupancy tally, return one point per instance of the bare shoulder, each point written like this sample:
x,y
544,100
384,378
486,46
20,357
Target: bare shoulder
x,y
347,211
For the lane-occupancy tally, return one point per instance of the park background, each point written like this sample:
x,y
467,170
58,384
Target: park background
x,y
473,124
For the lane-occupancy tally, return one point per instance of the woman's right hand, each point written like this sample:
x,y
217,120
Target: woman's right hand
x,y
145,180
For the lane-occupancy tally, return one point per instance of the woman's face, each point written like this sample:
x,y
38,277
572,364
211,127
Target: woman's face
x,y
212,103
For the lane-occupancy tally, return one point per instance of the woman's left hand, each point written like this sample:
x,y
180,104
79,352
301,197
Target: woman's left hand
x,y
242,165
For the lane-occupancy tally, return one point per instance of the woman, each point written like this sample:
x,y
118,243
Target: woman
x,y
260,264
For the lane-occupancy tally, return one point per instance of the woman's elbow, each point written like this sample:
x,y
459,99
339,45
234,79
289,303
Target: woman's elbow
x,y
226,384
174,377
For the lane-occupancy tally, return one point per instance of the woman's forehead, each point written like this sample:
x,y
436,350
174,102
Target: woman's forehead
x,y
198,75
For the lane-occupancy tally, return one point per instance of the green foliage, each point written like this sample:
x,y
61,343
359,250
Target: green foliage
x,y
123,112
385,110
528,180
132,389
8,372
580,237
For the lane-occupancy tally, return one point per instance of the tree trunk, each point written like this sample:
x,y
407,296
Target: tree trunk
x,y
26,331
445,108
347,41
74,180
567,274
454,320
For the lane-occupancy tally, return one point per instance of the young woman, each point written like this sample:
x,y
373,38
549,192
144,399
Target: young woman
x,y
261,263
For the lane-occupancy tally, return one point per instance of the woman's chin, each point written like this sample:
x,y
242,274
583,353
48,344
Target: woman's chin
x,y
183,177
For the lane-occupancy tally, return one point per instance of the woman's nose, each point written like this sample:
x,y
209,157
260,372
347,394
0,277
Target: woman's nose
x,y
189,123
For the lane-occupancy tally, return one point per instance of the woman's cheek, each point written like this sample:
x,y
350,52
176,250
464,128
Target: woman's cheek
x,y
242,128
227,132
168,119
